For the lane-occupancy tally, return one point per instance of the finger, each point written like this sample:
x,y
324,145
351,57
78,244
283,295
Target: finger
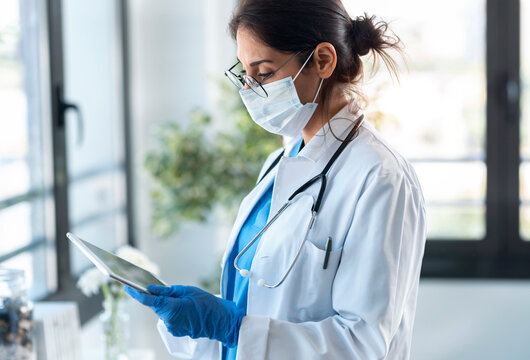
x,y
159,290
173,291
140,296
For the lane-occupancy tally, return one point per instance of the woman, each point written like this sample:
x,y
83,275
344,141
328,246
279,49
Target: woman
x,y
334,273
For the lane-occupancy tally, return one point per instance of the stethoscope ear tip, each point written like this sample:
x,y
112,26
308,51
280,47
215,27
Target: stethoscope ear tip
x,y
261,282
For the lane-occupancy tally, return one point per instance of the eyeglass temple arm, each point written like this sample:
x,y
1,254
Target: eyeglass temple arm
x,y
233,66
281,66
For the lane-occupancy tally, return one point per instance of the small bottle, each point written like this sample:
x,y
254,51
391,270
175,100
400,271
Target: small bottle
x,y
16,317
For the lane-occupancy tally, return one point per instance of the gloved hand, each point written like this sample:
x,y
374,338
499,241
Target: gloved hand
x,y
187,310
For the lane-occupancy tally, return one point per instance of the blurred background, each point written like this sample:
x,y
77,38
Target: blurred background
x,y
116,123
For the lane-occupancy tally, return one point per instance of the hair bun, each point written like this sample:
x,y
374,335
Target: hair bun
x,y
363,34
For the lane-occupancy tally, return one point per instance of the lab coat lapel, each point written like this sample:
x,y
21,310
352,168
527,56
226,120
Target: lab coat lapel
x,y
291,173
252,198
248,204
294,172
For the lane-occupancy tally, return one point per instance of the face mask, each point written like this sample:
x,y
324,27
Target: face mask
x,y
281,111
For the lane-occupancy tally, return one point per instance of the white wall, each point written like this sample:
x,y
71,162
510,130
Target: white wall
x,y
176,47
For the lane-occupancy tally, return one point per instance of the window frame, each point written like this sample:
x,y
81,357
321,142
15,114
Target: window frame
x,y
55,169
66,286
502,253
39,195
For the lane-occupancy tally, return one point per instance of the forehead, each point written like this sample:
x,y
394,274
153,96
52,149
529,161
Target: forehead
x,y
251,48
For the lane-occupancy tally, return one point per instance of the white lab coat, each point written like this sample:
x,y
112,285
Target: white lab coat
x,y
363,305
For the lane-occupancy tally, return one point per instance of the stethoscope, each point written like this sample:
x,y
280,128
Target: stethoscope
x,y
322,177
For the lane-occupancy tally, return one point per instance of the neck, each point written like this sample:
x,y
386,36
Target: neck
x,y
319,118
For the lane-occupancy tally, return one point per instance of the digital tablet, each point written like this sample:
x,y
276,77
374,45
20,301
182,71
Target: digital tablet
x,y
115,267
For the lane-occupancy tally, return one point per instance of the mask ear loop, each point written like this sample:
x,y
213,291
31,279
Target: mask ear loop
x,y
299,71
318,90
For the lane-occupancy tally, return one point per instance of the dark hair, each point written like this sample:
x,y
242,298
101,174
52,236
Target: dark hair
x,y
300,25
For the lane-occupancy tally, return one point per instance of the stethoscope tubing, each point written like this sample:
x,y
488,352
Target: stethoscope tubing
x,y
314,211
257,237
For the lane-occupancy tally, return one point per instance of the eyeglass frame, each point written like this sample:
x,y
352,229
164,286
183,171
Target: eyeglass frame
x,y
244,82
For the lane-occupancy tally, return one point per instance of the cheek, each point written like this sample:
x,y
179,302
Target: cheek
x,y
306,87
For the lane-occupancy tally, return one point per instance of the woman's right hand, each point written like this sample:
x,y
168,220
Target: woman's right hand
x,y
190,311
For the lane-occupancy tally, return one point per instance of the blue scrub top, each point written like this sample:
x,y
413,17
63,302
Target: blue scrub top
x,y
237,286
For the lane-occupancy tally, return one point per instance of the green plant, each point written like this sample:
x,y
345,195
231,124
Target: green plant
x,y
194,170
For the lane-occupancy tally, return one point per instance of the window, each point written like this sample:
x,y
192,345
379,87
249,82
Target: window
x,y
525,122
63,126
95,144
436,116
455,117
26,195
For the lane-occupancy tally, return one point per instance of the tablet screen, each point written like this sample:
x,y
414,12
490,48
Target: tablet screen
x,y
119,268
123,268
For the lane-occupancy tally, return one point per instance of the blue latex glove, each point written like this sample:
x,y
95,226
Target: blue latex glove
x,y
187,310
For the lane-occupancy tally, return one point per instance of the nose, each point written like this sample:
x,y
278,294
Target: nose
x,y
245,84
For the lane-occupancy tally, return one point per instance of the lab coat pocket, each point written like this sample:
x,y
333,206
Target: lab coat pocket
x,y
318,255
312,289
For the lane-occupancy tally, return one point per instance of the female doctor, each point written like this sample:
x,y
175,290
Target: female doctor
x,y
325,254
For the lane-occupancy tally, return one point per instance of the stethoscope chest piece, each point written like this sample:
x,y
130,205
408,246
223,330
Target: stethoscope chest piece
x,y
301,206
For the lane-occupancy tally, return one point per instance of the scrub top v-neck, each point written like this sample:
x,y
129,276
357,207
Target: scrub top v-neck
x,y
237,286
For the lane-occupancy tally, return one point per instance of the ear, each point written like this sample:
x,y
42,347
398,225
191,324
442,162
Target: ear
x,y
325,59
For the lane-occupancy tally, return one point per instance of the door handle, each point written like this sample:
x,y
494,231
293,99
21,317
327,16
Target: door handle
x,y
509,89
63,107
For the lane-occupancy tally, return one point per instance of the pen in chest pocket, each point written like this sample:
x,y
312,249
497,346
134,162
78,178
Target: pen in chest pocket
x,y
326,256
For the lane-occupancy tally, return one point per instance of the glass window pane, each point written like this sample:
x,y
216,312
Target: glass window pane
x,y
524,216
36,265
14,172
93,80
16,102
97,194
468,181
436,115
525,222
525,121
461,222
21,224
92,61
102,232
25,151
525,79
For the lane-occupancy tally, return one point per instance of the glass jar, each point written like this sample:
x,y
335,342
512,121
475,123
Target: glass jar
x,y
16,317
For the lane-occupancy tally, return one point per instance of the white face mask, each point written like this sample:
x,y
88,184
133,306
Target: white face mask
x,y
281,111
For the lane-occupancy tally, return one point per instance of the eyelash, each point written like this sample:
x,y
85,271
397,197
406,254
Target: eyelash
x,y
243,72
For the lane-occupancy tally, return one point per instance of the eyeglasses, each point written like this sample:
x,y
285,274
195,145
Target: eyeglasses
x,y
241,80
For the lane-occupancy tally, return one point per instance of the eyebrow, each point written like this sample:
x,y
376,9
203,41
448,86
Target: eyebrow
x,y
256,63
